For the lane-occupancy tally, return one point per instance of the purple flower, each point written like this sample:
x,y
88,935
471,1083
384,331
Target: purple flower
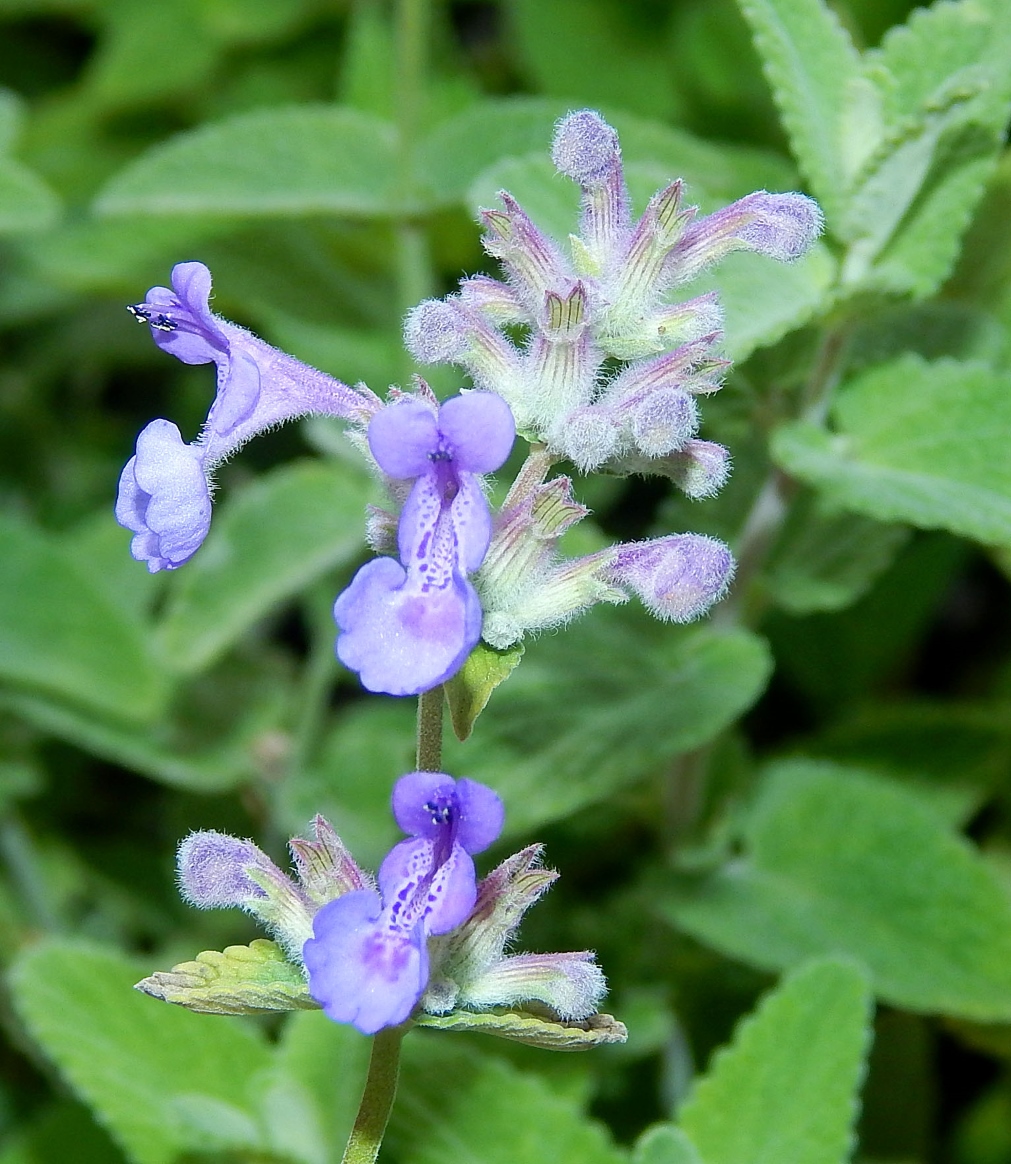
x,y
368,959
164,491
407,626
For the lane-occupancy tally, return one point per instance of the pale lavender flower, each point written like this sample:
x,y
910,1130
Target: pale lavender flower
x,y
368,958
407,626
165,489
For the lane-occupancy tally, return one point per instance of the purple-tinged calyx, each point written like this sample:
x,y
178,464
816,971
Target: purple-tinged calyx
x,y
406,626
165,489
470,967
368,960
216,870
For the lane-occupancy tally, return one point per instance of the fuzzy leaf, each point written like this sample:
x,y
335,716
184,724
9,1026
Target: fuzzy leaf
x,y
790,1076
139,1065
519,1027
249,979
812,67
299,160
468,692
61,635
826,560
265,544
920,442
839,862
455,1103
604,705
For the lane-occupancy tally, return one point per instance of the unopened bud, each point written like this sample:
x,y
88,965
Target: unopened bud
x,y
585,148
679,577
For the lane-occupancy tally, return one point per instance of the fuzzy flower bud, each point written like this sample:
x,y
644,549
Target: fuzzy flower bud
x,y
678,578
585,148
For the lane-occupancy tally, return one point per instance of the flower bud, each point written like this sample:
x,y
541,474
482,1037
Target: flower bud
x,y
678,578
585,148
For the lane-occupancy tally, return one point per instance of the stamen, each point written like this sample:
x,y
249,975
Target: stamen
x,y
164,323
441,814
140,313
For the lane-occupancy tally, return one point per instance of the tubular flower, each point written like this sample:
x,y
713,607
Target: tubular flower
x,y
165,488
408,625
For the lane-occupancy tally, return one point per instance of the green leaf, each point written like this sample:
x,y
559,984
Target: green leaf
x,y
826,560
920,442
520,1027
461,149
840,862
254,979
945,93
665,1144
138,1063
791,1075
288,161
26,202
63,1131
814,72
597,52
454,1104
764,299
604,705
61,635
469,690
265,544
327,1062
218,734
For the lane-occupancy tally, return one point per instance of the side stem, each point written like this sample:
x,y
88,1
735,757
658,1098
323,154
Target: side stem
x,y
377,1099
429,756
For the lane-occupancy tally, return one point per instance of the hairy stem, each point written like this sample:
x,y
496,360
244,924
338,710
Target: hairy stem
x,y
377,1099
429,756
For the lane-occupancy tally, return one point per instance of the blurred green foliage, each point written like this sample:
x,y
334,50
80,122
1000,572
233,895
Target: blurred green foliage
x,y
786,788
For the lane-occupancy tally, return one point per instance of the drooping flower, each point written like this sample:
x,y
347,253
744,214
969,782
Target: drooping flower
x,y
407,626
165,488
368,960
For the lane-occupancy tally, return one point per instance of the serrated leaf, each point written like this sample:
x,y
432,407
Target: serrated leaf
x,y
455,1104
265,544
289,161
468,692
924,443
531,1029
840,862
790,1076
812,67
826,560
132,1060
604,705
61,635
253,979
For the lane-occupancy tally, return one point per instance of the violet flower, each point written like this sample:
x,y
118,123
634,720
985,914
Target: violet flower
x,y
368,959
407,626
165,488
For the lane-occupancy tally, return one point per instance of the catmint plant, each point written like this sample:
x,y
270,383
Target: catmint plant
x,y
587,356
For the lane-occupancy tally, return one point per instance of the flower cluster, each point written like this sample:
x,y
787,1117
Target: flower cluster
x,y
428,938
608,302
608,379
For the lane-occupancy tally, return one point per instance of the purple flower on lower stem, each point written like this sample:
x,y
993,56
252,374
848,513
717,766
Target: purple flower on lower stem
x,y
164,491
407,626
368,959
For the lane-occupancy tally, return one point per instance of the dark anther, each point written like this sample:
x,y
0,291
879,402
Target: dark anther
x,y
440,813
140,313
440,455
163,323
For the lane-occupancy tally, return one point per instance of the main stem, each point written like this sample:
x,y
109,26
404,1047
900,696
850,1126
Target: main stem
x,y
377,1100
429,756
